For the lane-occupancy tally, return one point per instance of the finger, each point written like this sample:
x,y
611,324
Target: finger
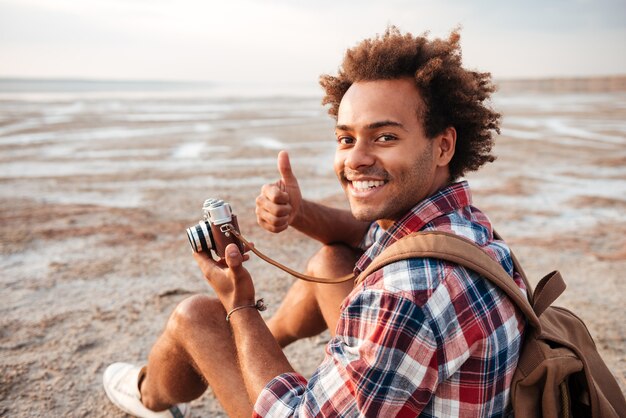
x,y
284,168
276,209
247,247
207,265
233,257
273,193
273,221
272,228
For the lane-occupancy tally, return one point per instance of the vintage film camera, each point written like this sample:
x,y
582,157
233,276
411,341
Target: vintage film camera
x,y
215,231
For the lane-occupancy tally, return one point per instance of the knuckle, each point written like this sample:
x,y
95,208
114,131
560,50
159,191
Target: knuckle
x,y
265,225
283,211
278,196
277,225
269,190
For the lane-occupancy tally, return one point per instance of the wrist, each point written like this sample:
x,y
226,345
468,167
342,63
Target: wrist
x,y
259,305
234,303
298,220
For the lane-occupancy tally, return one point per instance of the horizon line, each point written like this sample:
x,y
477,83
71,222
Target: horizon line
x,y
96,80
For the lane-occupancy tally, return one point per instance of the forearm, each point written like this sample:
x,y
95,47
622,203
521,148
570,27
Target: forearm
x,y
260,357
329,225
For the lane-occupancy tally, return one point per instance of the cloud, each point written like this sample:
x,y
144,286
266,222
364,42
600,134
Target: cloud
x,y
294,40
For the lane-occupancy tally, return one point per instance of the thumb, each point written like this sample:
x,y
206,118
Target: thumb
x,y
233,257
284,168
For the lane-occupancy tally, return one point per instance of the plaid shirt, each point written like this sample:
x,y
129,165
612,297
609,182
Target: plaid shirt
x,y
420,337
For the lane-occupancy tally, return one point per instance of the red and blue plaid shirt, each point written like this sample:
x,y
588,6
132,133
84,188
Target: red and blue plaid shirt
x,y
420,337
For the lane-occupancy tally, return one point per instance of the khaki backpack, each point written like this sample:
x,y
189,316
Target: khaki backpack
x,y
559,372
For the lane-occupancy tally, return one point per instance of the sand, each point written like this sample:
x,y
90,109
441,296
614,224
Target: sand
x,y
95,194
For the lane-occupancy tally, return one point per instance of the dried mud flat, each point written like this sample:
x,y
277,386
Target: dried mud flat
x,y
95,194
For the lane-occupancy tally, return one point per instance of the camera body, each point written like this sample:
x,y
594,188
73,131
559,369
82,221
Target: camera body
x,y
214,231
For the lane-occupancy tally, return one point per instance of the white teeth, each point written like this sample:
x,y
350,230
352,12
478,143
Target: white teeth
x,y
364,185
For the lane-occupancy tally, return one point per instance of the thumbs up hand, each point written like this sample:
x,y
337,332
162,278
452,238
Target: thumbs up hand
x,y
279,202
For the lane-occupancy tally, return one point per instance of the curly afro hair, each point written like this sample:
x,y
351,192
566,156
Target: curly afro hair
x,y
453,96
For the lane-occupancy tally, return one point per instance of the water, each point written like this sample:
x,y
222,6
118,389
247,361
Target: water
x,y
127,139
58,89
52,132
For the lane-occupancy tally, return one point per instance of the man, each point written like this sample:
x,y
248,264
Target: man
x,y
418,337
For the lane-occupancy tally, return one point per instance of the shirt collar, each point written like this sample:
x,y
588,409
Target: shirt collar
x,y
445,200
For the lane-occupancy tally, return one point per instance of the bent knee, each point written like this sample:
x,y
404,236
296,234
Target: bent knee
x,y
195,311
333,260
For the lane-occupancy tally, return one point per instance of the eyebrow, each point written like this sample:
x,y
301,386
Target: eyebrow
x,y
373,125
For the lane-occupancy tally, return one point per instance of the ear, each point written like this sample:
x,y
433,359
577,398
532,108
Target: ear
x,y
445,146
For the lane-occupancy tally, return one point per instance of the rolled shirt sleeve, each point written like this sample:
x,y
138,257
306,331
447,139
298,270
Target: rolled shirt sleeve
x,y
382,362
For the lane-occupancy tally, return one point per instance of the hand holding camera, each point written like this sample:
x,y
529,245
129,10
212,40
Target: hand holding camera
x,y
216,230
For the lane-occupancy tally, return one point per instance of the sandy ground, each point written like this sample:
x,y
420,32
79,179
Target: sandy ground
x,y
94,256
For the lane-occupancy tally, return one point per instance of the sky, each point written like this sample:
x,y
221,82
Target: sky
x,y
297,40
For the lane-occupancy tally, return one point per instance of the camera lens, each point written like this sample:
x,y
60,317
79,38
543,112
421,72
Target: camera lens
x,y
200,237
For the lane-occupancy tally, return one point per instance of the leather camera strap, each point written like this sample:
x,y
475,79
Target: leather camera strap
x,y
287,269
449,247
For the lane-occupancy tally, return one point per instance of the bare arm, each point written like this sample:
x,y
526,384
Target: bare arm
x,y
280,205
260,357
329,225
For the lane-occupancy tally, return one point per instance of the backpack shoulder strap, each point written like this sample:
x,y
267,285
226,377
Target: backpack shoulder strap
x,y
450,247
519,269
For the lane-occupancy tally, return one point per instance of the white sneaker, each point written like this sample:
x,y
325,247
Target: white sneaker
x,y
121,386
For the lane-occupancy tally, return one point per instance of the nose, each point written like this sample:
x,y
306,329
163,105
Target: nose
x,y
360,155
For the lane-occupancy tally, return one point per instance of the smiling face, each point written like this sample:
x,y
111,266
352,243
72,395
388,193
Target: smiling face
x,y
384,161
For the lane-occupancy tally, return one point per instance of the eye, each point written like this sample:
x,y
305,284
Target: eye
x,y
386,138
345,140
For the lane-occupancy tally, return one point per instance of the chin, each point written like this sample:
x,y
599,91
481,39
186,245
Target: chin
x,y
363,217
366,214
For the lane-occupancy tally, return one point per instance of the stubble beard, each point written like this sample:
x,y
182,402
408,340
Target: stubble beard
x,y
412,186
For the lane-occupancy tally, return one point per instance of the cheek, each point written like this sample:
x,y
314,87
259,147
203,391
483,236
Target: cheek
x,y
338,164
409,165
398,160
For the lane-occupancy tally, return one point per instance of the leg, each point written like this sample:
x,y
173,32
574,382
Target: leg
x,y
196,349
310,308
